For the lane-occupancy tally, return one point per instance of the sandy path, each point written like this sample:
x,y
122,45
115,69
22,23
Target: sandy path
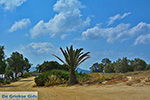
x,y
109,92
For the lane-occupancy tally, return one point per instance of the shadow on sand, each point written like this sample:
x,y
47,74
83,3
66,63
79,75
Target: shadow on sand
x,y
4,86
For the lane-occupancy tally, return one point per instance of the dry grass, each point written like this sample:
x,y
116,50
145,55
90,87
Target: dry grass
x,y
110,91
94,92
104,78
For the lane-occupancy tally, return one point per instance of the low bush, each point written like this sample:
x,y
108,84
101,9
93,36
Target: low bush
x,y
7,81
56,77
2,81
51,77
55,80
25,75
60,74
41,79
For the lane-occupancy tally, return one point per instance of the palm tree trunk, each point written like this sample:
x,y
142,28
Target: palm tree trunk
x,y
72,77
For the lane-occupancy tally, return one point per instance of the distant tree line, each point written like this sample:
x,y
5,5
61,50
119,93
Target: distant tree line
x,y
120,66
14,66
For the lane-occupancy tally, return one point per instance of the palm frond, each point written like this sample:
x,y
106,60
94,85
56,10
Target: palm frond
x,y
83,56
83,60
59,58
73,58
65,54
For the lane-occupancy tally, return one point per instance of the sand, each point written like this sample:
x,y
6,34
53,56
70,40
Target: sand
x,y
94,92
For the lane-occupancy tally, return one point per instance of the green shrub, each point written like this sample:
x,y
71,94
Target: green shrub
x,y
51,77
55,77
55,80
60,74
7,81
41,79
25,75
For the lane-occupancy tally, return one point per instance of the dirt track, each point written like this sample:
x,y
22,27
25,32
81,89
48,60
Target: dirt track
x,y
106,92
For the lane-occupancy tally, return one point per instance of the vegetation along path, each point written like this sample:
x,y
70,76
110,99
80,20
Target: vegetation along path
x,y
94,92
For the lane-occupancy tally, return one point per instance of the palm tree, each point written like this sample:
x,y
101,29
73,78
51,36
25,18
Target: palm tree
x,y
73,58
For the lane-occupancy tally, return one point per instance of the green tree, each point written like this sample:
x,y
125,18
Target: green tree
x,y
106,61
138,64
92,69
95,67
27,65
122,65
101,67
18,63
2,60
8,73
73,58
64,67
148,67
46,66
50,65
109,68
107,65
38,68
